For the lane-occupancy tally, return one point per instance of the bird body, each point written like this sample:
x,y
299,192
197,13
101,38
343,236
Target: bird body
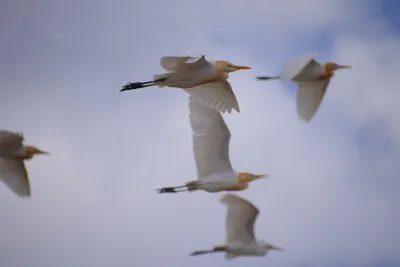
x,y
312,79
240,239
211,139
204,80
12,168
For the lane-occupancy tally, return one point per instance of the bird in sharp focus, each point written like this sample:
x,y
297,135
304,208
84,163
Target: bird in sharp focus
x,y
312,79
210,137
240,239
12,167
204,80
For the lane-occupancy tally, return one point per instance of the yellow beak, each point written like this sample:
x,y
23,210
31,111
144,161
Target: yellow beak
x,y
241,67
42,152
276,248
261,175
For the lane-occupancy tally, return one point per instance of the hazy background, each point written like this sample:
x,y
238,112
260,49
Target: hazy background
x,y
332,197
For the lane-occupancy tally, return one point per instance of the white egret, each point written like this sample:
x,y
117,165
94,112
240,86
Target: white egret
x,y
204,80
12,167
240,239
312,79
211,152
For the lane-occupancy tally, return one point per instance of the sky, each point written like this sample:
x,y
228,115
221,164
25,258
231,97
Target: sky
x,y
331,198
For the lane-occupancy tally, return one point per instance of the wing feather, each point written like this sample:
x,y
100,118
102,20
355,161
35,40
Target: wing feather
x,y
172,63
302,68
240,218
10,141
216,95
309,96
211,139
13,173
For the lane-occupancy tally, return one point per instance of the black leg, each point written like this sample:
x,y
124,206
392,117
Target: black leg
x,y
137,85
267,77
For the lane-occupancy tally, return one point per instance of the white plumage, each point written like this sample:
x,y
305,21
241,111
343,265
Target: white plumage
x,y
12,171
191,74
211,138
312,79
12,168
240,238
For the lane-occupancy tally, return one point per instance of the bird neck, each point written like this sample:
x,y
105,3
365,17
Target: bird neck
x,y
328,72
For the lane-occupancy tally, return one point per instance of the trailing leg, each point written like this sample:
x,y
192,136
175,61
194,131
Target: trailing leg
x,y
137,85
214,250
172,189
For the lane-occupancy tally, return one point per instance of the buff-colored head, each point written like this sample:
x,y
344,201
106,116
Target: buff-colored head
x,y
330,66
32,151
249,177
227,66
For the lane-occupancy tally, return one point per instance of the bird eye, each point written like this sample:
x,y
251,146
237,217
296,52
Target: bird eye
x,y
229,65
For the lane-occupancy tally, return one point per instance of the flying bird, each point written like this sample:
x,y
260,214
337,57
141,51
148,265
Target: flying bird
x,y
211,152
12,167
204,80
312,79
240,239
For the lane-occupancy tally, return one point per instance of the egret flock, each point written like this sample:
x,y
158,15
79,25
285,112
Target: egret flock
x,y
209,95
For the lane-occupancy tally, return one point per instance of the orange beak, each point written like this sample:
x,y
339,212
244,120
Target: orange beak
x,y
241,67
344,67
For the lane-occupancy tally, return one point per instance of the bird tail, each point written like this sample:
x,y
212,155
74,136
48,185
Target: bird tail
x,y
163,77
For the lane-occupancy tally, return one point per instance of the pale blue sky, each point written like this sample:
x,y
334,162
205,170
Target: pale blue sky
x,y
332,196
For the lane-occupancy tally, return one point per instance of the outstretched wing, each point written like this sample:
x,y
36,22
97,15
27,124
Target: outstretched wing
x,y
13,173
309,96
171,63
240,219
210,139
302,68
216,95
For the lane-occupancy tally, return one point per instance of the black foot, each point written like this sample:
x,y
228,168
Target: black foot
x,y
166,190
131,86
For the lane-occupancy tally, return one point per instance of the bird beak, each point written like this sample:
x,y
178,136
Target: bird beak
x,y
42,152
261,175
276,248
241,67
344,67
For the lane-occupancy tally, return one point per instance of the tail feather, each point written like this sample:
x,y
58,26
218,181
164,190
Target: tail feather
x,y
161,76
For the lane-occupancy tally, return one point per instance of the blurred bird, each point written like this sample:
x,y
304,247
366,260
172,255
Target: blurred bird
x,y
312,79
240,239
204,80
12,167
211,152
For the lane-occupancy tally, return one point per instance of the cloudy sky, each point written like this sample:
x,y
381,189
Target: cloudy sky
x,y
332,196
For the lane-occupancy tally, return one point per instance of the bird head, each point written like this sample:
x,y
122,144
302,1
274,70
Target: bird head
x,y
227,66
32,151
333,66
268,247
249,177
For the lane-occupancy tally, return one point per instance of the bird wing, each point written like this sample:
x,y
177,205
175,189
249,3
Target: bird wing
x,y
13,173
302,68
216,95
240,219
210,140
309,96
10,141
173,64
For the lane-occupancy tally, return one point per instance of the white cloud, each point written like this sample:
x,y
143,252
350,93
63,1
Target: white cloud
x,y
94,202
